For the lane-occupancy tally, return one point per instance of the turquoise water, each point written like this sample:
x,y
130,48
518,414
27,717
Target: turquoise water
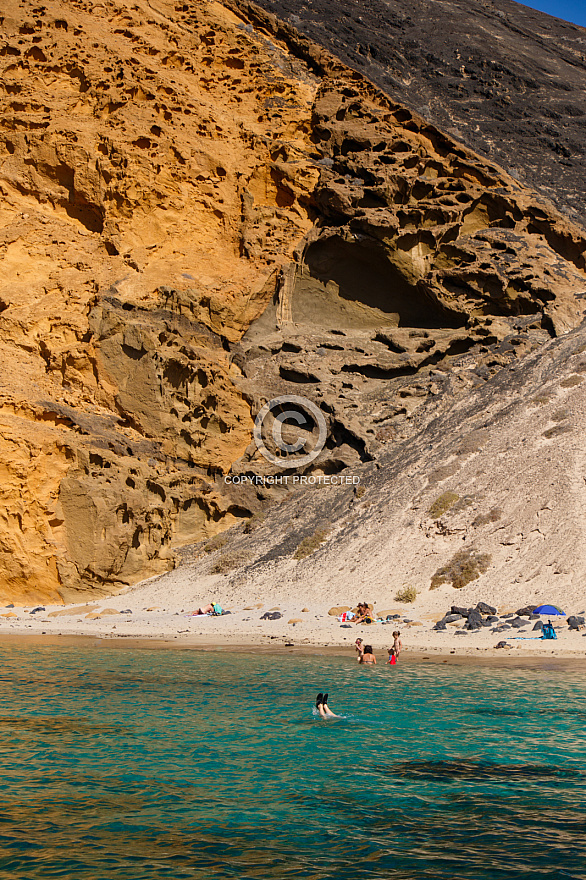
x,y
171,764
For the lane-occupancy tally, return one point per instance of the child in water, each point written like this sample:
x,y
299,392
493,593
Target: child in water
x,y
392,656
397,644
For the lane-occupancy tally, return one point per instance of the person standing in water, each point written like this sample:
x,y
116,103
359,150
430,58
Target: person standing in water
x,y
359,645
367,656
392,656
321,704
397,644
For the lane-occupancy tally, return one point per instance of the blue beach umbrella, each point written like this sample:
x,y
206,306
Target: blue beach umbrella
x,y
550,610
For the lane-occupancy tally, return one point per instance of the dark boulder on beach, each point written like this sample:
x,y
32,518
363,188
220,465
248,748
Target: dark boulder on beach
x,y
271,615
575,622
537,626
485,609
440,626
451,618
475,620
518,622
463,612
526,611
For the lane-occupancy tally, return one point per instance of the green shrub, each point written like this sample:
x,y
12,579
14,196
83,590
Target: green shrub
x,y
407,594
442,504
227,562
359,491
492,516
555,432
310,544
256,520
463,567
216,543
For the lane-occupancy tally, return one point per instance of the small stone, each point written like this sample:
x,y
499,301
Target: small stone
x,y
155,608
303,610
10,614
295,620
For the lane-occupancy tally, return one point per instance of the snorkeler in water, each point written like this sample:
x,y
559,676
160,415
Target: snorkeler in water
x,y
321,704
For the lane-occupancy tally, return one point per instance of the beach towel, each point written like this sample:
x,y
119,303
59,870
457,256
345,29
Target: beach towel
x,y
347,615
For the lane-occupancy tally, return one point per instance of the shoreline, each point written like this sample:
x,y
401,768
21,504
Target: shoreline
x,y
555,660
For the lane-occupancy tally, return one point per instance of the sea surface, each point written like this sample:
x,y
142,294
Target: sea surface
x,y
145,764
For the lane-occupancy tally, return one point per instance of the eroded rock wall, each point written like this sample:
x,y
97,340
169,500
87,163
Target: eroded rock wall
x,y
199,211
142,221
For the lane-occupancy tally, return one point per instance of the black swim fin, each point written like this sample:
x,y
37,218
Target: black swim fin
x,y
325,699
319,700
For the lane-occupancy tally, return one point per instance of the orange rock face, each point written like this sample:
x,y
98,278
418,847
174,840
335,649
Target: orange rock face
x,y
138,156
182,187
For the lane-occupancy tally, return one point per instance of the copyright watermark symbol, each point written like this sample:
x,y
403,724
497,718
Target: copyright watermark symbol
x,y
276,422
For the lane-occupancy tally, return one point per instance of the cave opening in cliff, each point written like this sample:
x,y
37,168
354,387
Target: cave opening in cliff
x,y
359,285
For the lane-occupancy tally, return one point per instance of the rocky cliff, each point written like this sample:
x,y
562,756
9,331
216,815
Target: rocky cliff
x,y
502,78
202,209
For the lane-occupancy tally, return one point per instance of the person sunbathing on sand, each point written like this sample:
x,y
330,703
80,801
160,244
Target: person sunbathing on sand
x,y
364,614
321,704
207,609
367,656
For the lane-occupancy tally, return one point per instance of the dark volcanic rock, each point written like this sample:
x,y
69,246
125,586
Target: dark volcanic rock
x,y
475,620
485,609
538,625
526,611
575,622
518,622
506,80
463,612
440,626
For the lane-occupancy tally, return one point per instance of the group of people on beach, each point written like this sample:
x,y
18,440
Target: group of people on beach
x,y
366,654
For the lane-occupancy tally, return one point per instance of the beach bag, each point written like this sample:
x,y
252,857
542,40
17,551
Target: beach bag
x,y
548,632
217,609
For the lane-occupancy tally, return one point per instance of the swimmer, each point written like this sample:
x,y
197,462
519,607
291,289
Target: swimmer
x,y
367,656
321,704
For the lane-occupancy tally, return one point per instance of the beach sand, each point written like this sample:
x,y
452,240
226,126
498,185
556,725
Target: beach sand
x,y
149,614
